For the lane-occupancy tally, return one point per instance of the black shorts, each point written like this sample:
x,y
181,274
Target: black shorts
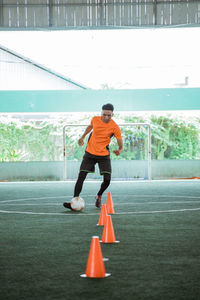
x,y
89,161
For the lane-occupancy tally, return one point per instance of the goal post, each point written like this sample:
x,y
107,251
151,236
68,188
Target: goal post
x,y
130,137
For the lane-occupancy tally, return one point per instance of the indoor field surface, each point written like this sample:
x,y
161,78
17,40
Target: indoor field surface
x,y
44,247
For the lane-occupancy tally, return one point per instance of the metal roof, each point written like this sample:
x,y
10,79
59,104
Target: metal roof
x,y
42,67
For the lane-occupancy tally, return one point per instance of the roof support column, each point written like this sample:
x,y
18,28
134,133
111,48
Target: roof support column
x,y
155,12
1,13
50,13
103,21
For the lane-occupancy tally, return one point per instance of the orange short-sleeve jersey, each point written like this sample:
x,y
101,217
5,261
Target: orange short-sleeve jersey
x,y
99,139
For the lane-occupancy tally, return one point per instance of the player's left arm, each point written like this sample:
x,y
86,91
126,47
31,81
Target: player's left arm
x,y
121,147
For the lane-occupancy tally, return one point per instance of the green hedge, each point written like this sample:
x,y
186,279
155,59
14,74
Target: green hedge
x,y
41,140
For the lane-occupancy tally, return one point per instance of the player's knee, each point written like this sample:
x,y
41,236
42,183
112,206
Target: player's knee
x,y
82,175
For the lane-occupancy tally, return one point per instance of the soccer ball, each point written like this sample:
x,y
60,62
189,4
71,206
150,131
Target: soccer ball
x,y
77,203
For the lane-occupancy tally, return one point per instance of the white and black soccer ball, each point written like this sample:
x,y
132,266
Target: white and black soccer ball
x,y
77,203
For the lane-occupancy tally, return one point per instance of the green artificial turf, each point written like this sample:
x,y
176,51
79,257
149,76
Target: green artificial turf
x,y
43,254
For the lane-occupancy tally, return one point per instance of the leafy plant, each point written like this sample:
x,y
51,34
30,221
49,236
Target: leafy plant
x,y
42,140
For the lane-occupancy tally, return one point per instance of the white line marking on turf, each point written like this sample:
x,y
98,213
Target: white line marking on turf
x,y
94,214
131,181
39,198
158,202
116,204
8,202
51,214
85,196
159,211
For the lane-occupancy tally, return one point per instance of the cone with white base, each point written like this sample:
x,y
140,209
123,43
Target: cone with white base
x,y
95,266
108,232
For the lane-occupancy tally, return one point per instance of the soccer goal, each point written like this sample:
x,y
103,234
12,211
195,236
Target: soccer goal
x,y
134,163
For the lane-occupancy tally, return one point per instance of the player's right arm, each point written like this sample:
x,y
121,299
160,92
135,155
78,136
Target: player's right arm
x,y
87,130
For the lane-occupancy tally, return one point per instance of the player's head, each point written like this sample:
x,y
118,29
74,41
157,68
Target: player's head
x,y
107,112
108,106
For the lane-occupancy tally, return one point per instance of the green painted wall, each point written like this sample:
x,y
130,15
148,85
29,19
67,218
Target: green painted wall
x,y
92,100
53,170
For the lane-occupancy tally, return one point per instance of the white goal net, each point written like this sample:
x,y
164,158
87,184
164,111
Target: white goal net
x,y
134,163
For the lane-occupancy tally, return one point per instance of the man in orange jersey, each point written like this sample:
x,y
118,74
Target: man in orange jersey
x,y
97,151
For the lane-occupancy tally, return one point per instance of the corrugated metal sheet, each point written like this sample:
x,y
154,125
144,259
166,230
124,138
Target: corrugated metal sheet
x,y
97,13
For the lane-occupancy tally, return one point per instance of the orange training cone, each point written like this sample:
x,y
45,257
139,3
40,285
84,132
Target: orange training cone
x,y
103,215
95,266
109,204
108,232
